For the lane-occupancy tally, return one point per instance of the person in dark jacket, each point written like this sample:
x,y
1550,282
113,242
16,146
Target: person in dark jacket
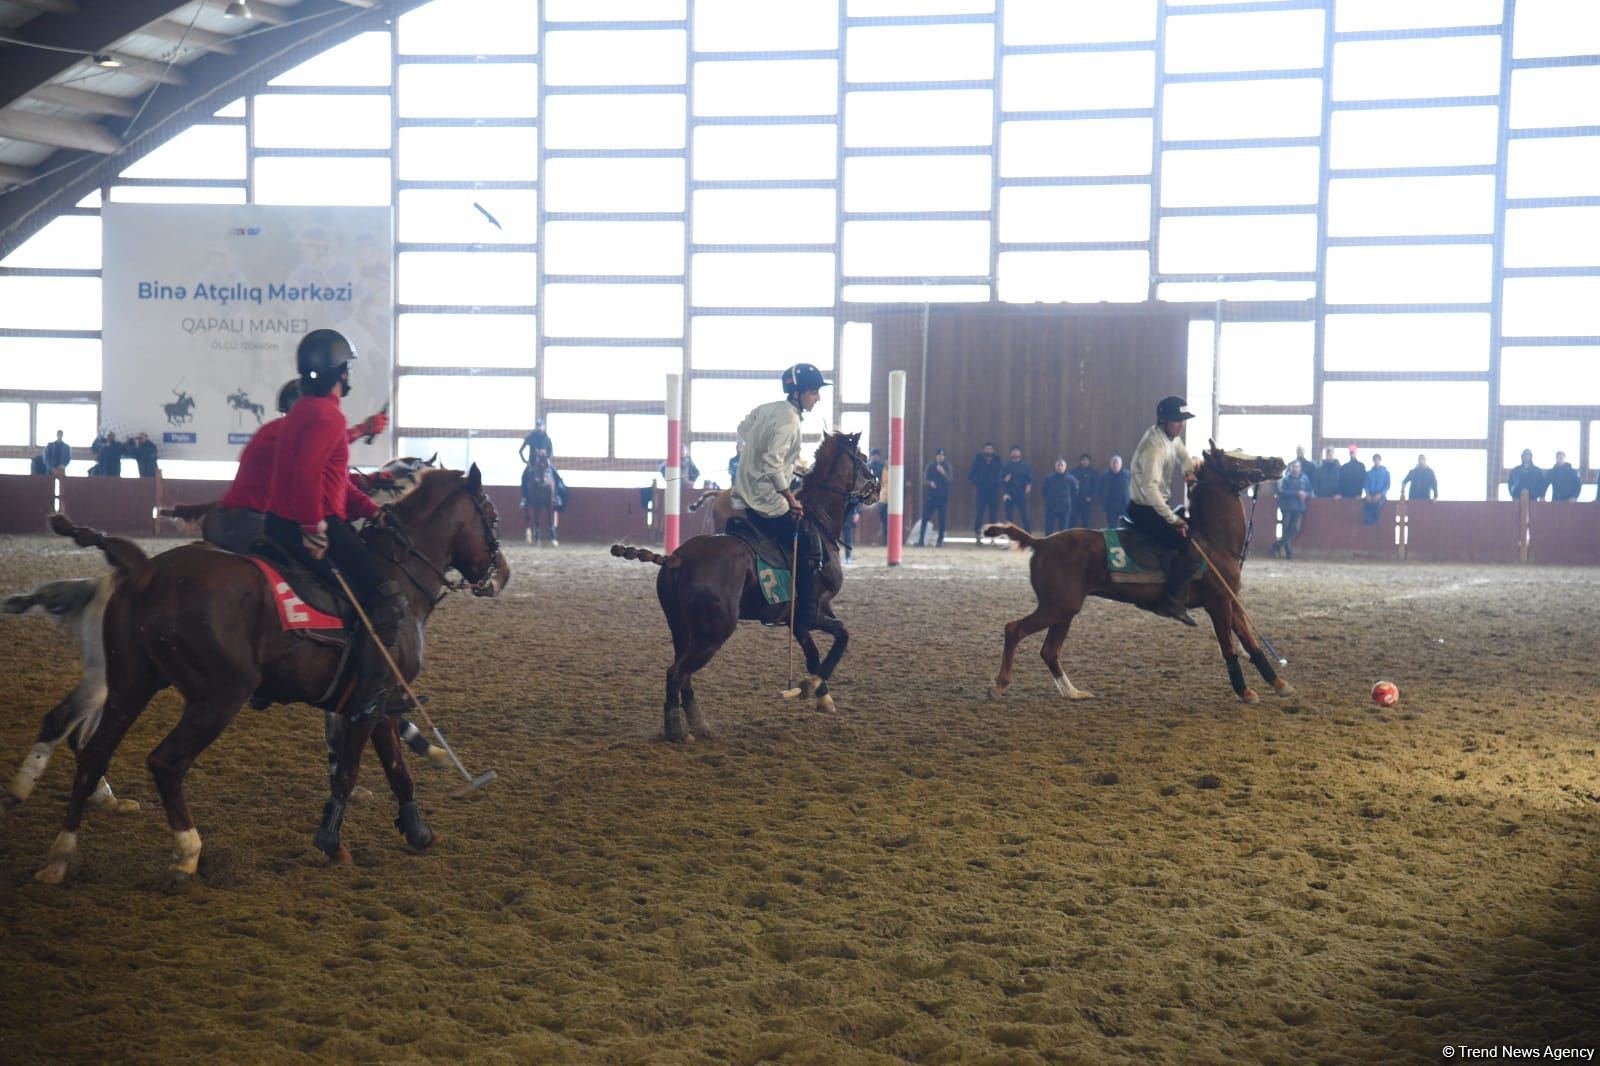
x,y
687,471
1526,478
537,440
1016,485
57,454
985,478
1423,484
1059,490
876,464
1325,477
1293,492
1374,491
107,452
1114,482
1565,482
935,496
144,455
1353,477
1088,492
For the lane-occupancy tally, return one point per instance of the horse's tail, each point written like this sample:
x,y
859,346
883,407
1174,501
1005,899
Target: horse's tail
x,y
1020,538
130,562
65,600
705,498
188,512
645,555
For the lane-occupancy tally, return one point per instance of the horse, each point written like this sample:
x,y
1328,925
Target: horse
x,y
539,500
721,502
78,605
240,401
711,583
181,411
1070,566
205,622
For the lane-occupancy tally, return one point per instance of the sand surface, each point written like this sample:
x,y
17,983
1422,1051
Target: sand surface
x,y
1159,874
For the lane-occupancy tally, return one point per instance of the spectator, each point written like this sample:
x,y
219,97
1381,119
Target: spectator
x,y
57,454
1300,457
537,440
1114,492
881,508
688,472
1293,492
847,536
985,478
733,463
1016,481
1325,478
1059,490
108,455
1375,490
1352,477
937,496
1424,486
144,454
1565,482
1088,492
1526,478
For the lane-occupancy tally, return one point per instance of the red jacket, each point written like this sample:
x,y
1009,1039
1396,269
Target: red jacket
x,y
252,485
311,467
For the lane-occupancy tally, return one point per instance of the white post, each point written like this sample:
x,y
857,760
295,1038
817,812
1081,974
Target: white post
x,y
674,497
897,465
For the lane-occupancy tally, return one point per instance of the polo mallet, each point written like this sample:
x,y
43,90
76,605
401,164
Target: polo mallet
x,y
1239,606
794,594
473,783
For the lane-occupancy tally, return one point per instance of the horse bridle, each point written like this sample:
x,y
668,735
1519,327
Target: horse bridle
x,y
479,587
851,496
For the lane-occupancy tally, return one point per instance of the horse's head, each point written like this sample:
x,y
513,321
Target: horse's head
x,y
840,467
453,506
1239,471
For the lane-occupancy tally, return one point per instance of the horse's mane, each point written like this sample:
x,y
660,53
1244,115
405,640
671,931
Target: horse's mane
x,y
433,487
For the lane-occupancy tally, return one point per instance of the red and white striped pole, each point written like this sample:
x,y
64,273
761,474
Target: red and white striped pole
x,y
674,497
896,488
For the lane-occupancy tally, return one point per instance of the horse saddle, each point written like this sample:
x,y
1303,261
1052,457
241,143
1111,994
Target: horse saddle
x,y
303,600
772,560
1134,559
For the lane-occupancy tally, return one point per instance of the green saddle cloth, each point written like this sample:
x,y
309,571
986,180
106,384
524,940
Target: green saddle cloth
x,y
1133,560
777,585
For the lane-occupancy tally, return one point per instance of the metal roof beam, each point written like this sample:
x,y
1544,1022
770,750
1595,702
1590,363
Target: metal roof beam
x,y
10,175
148,69
92,28
57,132
55,7
83,100
191,36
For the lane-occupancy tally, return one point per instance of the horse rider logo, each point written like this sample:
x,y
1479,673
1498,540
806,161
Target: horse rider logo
x,y
180,411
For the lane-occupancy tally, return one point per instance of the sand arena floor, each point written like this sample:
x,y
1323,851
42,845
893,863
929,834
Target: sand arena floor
x,y
1160,874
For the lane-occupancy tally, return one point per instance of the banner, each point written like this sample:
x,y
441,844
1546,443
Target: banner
x,y
204,307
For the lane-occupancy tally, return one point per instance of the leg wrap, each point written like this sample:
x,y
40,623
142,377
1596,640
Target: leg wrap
x,y
413,737
411,825
1258,659
327,838
1235,675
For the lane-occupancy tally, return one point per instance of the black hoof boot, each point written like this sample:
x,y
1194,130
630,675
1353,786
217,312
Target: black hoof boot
x,y
411,825
327,838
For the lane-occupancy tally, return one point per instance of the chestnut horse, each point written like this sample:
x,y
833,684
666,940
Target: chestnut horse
x,y
710,583
205,622
1070,566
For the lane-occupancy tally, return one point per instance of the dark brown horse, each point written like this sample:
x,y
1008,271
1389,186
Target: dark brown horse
x,y
710,583
204,622
539,500
1070,566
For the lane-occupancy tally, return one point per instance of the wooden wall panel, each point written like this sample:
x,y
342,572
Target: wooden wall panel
x,y
1056,381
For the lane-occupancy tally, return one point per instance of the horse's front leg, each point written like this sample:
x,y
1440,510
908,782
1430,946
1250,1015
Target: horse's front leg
x,y
386,742
1221,612
1258,658
346,769
823,671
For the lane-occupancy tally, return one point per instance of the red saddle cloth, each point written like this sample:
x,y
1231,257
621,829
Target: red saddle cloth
x,y
293,612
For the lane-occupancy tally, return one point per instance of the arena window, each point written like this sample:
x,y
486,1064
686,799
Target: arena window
x,y
468,90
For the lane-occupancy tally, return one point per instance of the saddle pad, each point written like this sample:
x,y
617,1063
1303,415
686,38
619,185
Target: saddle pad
x,y
777,585
293,612
1132,560
768,551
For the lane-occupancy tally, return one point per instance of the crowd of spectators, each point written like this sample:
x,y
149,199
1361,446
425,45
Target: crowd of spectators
x,y
107,452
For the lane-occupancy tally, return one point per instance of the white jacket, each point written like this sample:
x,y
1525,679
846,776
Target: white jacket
x,y
1155,461
771,438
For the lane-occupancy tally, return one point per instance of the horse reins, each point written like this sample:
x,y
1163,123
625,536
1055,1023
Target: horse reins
x,y
475,587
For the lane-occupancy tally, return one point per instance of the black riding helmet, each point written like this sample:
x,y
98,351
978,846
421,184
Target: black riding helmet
x,y
802,377
321,359
288,395
1172,409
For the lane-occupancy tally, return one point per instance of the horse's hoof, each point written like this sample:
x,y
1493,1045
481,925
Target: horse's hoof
x,y
997,691
1282,687
341,857
1249,696
412,827
1080,694
825,704
53,873
117,805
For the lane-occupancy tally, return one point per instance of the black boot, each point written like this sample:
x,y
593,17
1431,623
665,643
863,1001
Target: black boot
x,y
805,597
387,610
1174,602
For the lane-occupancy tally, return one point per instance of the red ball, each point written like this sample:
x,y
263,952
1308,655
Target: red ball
x,y
1385,694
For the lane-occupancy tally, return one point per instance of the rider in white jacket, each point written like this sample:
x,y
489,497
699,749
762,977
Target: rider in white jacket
x,y
1159,457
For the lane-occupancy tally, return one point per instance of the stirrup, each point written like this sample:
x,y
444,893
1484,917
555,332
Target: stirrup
x,y
1175,610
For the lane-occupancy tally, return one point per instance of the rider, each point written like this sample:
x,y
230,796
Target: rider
x,y
310,500
1159,455
770,435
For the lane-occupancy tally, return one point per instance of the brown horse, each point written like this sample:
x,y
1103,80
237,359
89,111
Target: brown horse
x,y
1070,566
539,500
721,503
204,622
710,583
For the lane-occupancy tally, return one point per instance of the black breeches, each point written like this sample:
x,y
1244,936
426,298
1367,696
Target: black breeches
x,y
345,550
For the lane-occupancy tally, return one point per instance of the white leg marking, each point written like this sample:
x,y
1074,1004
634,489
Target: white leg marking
x,y
1067,689
61,852
186,855
104,799
33,765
